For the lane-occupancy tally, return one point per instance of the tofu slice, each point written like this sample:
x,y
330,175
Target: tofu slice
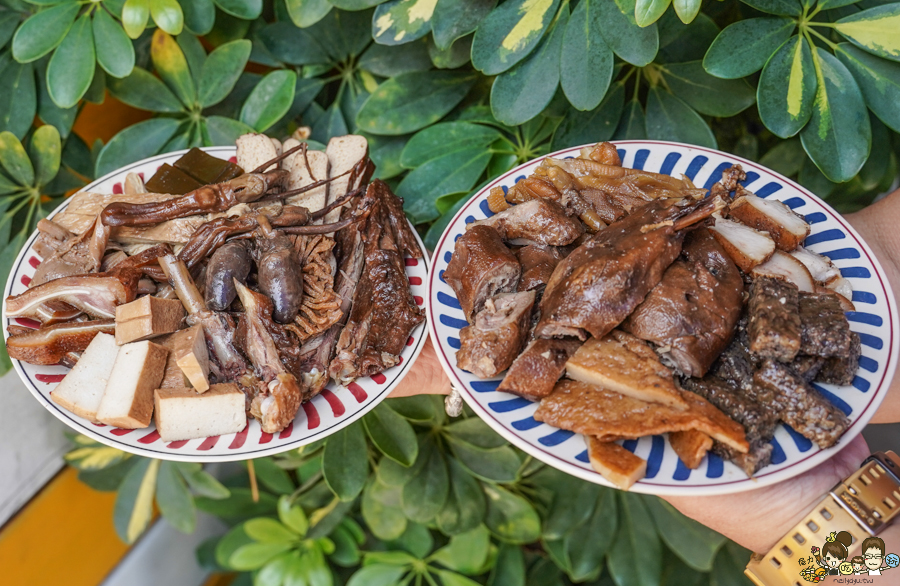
x,y
128,400
182,414
691,446
785,227
315,199
187,349
82,390
344,152
782,265
615,463
147,317
255,149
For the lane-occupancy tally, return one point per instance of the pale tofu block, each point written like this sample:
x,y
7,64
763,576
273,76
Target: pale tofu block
x,y
255,149
82,389
313,200
187,349
128,400
344,152
182,414
615,463
147,318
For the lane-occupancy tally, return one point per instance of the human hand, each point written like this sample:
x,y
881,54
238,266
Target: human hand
x,y
426,377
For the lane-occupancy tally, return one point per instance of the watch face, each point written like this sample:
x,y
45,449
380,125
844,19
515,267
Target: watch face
x,y
892,560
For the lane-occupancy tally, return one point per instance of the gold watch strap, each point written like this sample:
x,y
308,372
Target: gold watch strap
x,y
863,505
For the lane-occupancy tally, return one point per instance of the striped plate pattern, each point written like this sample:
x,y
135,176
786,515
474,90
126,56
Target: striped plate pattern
x,y
332,410
874,320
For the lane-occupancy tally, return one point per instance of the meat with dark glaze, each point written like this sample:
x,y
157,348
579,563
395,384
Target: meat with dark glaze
x,y
534,373
538,220
538,262
841,370
824,330
774,319
229,263
490,345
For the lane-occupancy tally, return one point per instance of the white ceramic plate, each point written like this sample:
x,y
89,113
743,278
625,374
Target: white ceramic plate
x,y
875,321
332,410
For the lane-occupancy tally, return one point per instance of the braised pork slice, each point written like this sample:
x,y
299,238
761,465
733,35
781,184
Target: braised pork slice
x,y
538,220
841,370
798,404
824,330
692,313
597,286
759,420
538,262
774,319
534,373
490,345
482,266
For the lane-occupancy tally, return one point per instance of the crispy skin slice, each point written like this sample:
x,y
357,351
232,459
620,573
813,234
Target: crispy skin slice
x,y
691,446
595,411
615,463
623,363
535,372
774,324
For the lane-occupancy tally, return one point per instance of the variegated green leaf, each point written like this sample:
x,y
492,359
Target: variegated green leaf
x,y
454,19
134,501
876,30
306,13
745,46
94,457
878,79
786,107
586,63
170,63
402,21
509,33
646,12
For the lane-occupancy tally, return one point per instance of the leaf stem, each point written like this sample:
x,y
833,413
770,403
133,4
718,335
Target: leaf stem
x,y
824,39
254,488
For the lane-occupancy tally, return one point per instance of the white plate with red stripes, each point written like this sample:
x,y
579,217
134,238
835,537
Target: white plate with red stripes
x,y
335,408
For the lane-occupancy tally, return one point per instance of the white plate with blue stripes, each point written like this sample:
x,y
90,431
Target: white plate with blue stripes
x,y
875,320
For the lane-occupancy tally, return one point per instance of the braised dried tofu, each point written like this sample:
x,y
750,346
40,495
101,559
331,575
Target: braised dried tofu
x,y
774,319
81,391
746,246
128,399
147,317
615,463
187,349
690,446
785,227
182,414
625,364
534,373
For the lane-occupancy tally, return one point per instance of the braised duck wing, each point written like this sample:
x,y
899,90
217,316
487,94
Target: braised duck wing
x,y
692,313
597,286
491,344
538,220
482,266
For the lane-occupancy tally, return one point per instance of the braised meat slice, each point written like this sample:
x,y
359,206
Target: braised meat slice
x,y
825,330
808,367
692,313
538,262
841,370
491,344
597,286
538,220
798,404
534,373
482,266
757,457
774,326
737,364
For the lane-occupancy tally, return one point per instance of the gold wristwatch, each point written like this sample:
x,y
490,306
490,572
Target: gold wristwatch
x,y
863,505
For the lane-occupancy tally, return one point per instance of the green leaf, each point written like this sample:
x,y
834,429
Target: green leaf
x,y
509,570
599,124
633,124
43,31
391,60
456,56
493,465
275,571
135,14
170,63
144,90
878,79
239,504
451,173
9,21
15,160
343,34
745,46
194,54
692,542
629,41
229,543
224,131
412,101
385,152
323,521
838,136
292,516
175,501
269,100
201,482
355,5
421,408
509,33
330,124
115,53
221,71
426,492
71,68
94,457
669,118
476,432
255,555
687,10
466,553
573,504
679,42
785,108
136,142
287,44
445,137
586,544
305,13
510,517
453,579
586,63
729,566
199,15
392,434
454,19
786,157
378,575
465,506
346,549
107,479
345,464
243,9
636,555
779,7
18,101
167,15
266,530
874,30
646,12
45,151
134,501
381,510
707,94
272,476
402,21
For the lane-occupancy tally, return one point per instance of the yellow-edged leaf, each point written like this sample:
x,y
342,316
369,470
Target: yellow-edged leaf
x,y
876,30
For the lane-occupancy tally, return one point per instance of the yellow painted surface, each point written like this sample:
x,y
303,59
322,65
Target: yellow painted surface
x,y
104,120
64,536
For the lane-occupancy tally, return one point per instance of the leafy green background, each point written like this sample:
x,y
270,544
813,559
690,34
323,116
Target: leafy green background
x,y
450,93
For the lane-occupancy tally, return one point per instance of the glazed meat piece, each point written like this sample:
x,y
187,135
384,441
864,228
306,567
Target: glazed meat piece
x,y
737,364
538,262
279,272
692,313
774,319
534,373
597,286
229,263
841,370
537,220
482,266
491,344
757,457
759,421
798,404
808,367
825,330
50,344
96,294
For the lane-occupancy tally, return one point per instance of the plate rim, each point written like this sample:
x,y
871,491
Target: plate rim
x,y
729,487
74,422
